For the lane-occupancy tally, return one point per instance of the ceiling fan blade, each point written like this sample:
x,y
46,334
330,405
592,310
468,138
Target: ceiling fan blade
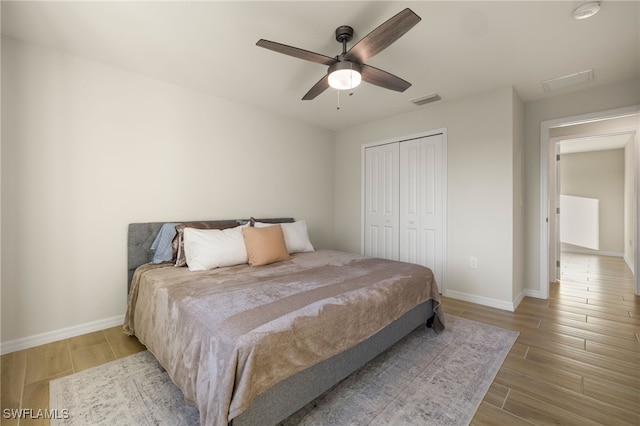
x,y
384,79
318,88
296,52
382,37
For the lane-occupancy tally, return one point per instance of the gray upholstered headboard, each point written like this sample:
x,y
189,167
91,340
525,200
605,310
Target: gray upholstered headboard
x,y
141,236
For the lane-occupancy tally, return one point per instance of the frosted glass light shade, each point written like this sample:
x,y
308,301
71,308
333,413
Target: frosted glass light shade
x,y
586,10
344,75
344,79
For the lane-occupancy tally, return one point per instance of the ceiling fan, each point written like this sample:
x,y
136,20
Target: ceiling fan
x,y
348,69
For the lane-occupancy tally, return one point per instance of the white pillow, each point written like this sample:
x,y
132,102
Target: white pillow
x,y
295,236
213,248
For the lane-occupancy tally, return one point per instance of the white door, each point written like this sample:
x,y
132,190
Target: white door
x,y
422,203
381,201
410,202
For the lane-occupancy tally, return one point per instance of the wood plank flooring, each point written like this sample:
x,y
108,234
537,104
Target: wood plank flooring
x,y
26,374
576,361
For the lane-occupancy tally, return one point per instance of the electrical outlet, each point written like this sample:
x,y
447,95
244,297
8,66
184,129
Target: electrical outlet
x,y
473,262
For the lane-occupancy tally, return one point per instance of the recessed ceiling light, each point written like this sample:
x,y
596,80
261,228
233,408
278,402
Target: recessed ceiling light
x,y
586,10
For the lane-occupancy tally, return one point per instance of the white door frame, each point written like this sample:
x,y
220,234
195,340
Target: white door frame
x,y
546,174
443,132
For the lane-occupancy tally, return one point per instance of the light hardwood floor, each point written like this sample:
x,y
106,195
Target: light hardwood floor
x,y
576,361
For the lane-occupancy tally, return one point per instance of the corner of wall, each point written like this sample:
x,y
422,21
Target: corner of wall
x,y
518,194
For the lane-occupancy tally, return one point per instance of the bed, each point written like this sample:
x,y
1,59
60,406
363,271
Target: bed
x,y
252,345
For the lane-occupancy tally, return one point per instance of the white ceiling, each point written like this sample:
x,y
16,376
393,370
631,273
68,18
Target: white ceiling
x,y
595,143
458,49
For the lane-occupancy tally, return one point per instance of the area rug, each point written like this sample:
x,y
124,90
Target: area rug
x,y
427,378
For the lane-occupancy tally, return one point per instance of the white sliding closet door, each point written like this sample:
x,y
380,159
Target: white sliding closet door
x,y
381,200
421,203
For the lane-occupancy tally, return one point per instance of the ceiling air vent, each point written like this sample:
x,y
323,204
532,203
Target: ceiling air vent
x,y
426,99
567,80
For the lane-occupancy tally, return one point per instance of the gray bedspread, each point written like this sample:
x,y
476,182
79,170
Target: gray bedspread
x,y
228,334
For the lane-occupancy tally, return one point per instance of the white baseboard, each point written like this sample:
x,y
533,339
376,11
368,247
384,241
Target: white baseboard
x,y
55,335
629,264
486,301
533,293
517,301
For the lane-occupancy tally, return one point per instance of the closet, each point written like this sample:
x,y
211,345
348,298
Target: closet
x,y
403,201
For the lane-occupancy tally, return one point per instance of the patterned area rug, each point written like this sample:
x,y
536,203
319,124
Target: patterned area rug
x,y
427,378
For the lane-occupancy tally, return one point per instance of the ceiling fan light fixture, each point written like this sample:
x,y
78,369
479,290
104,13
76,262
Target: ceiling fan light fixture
x,y
345,75
587,10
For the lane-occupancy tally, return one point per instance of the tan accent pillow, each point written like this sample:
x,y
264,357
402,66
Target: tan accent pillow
x,y
265,245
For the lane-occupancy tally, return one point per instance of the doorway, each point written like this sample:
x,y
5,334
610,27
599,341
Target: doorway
x,y
594,200
619,121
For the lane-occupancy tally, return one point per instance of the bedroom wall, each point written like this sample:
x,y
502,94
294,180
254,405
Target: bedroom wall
x,y
87,149
619,95
599,175
518,198
481,151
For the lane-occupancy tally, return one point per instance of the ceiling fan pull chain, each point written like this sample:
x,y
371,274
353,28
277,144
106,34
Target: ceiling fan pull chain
x,y
338,92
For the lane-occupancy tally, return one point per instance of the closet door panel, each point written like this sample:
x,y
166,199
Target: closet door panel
x,y
410,244
428,242
381,201
410,178
421,201
372,240
410,200
428,178
431,204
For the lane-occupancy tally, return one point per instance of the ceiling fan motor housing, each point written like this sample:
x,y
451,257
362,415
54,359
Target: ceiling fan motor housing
x,y
344,64
344,34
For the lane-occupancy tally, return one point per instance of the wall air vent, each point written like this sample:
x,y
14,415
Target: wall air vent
x,y
426,99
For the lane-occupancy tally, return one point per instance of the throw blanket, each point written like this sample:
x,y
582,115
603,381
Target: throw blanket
x,y
228,334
